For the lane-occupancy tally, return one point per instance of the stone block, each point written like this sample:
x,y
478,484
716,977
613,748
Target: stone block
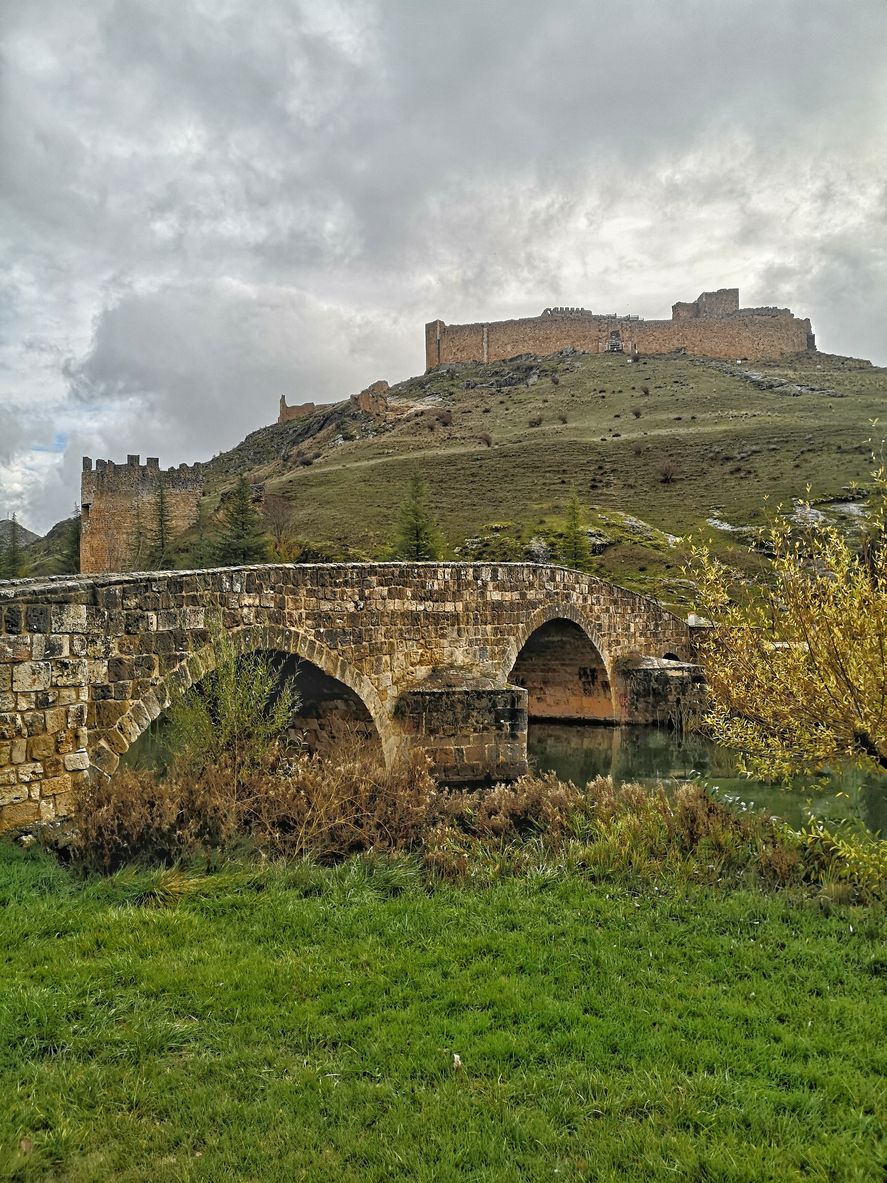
x,y
28,772
18,814
69,671
104,759
64,803
41,746
56,719
11,794
77,761
31,675
68,618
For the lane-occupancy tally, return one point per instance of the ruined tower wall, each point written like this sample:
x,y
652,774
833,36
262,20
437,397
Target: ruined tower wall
x,y
119,508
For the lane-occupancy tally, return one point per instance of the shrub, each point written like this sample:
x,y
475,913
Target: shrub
x,y
534,421
667,472
486,439
327,807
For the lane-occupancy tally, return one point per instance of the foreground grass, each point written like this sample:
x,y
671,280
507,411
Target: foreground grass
x,y
289,1022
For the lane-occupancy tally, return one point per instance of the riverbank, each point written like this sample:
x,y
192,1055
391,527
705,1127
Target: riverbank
x,y
289,1021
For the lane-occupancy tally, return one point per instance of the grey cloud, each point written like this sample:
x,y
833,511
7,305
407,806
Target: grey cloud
x,y
208,203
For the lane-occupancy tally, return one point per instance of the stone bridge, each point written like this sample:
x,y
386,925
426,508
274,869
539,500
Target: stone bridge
x,y
450,658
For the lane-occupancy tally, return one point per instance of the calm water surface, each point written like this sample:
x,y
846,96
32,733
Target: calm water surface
x,y
579,752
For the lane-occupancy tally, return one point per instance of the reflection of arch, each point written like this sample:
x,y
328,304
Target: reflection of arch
x,y
563,667
200,662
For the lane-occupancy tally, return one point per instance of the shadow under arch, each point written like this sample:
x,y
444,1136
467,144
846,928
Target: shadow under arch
x,y
562,664
179,680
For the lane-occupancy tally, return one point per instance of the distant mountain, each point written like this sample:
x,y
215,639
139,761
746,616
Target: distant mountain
x,y
26,537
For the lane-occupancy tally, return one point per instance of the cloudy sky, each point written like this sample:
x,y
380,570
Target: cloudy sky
x,y
205,204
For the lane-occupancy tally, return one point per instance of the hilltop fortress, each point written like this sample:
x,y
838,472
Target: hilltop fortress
x,y
711,326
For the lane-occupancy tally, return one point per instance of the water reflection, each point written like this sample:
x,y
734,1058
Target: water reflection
x,y
579,752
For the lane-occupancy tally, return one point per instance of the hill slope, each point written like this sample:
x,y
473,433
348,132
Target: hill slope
x,y
674,441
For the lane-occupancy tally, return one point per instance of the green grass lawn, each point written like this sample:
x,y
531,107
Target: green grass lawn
x,y
297,1023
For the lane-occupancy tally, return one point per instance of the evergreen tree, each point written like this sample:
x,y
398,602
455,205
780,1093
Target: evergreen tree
x,y
70,557
12,559
159,557
418,537
138,556
242,539
575,551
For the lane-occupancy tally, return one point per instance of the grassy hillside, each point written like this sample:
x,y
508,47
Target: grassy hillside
x,y
673,441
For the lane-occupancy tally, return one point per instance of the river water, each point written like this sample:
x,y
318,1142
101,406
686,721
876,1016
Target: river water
x,y
580,752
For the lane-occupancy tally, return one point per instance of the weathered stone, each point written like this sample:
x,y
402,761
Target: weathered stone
x,y
18,814
68,618
32,675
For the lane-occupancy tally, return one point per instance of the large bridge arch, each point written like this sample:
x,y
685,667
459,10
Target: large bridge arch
x,y
201,661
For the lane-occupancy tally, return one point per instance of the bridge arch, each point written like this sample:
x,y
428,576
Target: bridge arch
x,y
564,667
201,661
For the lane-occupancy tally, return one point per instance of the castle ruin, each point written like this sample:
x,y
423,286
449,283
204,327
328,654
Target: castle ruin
x,y
299,412
711,326
119,509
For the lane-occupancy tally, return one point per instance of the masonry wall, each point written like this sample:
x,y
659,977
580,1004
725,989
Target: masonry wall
x,y
298,412
713,325
119,508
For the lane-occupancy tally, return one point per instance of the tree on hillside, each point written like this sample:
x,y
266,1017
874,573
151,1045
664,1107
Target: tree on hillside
x,y
242,538
418,537
797,678
281,523
161,533
70,554
575,551
12,558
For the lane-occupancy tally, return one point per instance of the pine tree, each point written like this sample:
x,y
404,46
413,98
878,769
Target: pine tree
x,y
162,533
12,559
418,537
70,558
575,551
242,539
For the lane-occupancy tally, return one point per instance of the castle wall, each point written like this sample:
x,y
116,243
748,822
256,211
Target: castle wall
x,y
298,412
119,510
712,326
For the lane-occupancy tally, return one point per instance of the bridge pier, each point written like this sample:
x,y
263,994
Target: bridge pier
x,y
472,734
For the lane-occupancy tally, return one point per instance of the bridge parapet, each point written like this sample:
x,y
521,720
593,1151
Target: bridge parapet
x,y
87,662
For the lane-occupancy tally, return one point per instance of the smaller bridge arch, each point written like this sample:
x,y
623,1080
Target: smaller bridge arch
x,y
562,666
544,615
